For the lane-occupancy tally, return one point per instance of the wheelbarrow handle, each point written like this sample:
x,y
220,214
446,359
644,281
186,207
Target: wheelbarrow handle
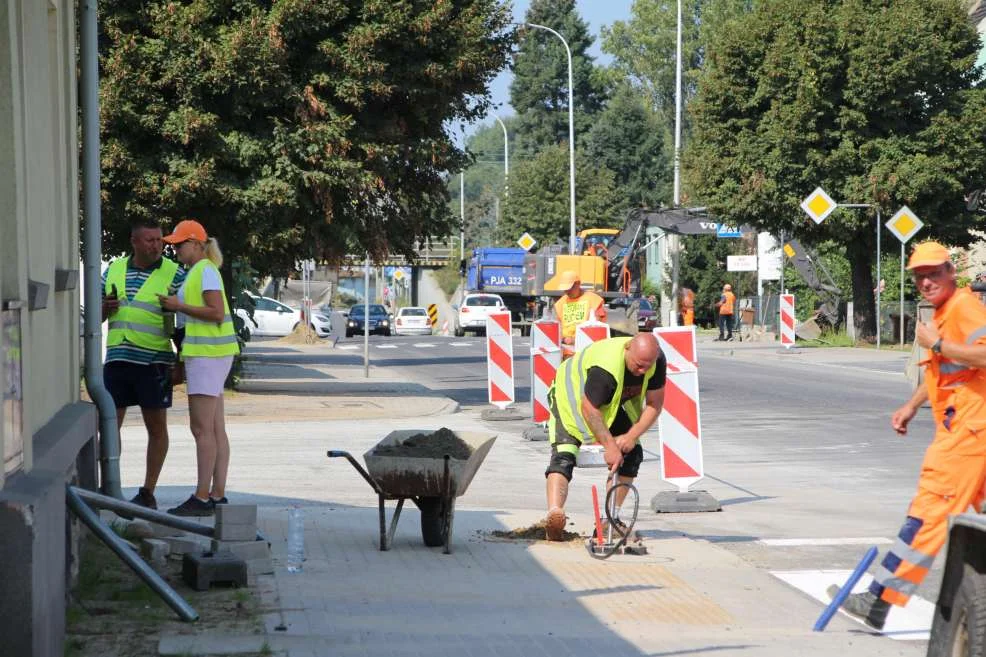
x,y
335,453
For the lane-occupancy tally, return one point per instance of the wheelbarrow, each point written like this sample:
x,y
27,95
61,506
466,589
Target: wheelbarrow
x,y
431,483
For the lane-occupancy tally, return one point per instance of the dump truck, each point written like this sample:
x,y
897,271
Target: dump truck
x,y
500,270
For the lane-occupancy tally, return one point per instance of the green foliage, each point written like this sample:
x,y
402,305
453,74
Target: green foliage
x,y
869,99
702,268
628,139
539,198
292,129
448,277
539,91
644,47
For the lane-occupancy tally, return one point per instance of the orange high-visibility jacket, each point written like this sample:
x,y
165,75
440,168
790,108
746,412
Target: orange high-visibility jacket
x,y
572,312
726,304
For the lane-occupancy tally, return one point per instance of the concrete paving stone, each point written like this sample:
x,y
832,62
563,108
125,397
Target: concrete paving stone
x,y
263,566
236,532
236,514
210,643
154,550
246,550
180,545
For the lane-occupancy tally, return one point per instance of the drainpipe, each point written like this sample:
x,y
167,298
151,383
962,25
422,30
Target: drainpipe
x,y
109,435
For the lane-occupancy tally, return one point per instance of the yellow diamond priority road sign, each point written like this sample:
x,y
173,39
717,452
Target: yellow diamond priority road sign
x,y
527,242
818,205
904,225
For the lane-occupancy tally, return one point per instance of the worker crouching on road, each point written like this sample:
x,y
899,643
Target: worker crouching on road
x,y
954,466
575,307
611,392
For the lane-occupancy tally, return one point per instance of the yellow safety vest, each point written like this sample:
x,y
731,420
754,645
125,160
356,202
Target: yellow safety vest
x,y
138,321
202,338
569,387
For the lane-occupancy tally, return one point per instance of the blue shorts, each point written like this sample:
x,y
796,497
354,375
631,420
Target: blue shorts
x,y
130,384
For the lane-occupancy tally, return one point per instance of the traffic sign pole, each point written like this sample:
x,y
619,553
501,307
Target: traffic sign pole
x,y
904,225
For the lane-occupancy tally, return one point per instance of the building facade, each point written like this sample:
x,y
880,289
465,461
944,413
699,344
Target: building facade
x,y
47,435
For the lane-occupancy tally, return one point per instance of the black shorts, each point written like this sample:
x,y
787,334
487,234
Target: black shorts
x,y
130,384
564,463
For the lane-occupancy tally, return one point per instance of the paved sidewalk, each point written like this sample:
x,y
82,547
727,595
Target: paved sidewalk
x,y
490,597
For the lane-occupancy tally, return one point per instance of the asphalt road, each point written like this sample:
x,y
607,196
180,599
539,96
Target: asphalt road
x,y
796,447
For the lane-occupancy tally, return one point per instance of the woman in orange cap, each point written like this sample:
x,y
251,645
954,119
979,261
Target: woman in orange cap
x,y
954,466
207,351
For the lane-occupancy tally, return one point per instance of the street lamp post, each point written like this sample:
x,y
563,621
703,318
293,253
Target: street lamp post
x,y
674,242
571,135
506,158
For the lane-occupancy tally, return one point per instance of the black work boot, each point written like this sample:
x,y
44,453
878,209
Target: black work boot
x,y
865,606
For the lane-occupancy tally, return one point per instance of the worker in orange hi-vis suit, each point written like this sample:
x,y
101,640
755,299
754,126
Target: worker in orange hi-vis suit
x,y
687,307
575,307
954,467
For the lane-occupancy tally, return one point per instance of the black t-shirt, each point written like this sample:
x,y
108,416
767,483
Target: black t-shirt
x,y
600,386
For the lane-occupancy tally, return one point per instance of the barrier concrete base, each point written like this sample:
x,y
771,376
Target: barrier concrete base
x,y
536,434
693,501
502,414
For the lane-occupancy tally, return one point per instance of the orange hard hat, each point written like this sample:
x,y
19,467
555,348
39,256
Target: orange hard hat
x,y
189,229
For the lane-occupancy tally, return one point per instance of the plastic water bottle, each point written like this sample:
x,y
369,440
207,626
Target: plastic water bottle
x,y
296,540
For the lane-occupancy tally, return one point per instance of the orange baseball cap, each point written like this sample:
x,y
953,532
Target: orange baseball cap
x,y
928,254
189,229
567,279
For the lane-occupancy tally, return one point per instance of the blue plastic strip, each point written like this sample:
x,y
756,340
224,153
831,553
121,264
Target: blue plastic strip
x,y
844,592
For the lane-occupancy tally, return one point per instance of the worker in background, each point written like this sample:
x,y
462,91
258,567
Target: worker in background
x,y
954,466
575,307
726,305
687,307
612,392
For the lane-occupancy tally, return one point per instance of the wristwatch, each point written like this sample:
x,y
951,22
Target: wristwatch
x,y
937,346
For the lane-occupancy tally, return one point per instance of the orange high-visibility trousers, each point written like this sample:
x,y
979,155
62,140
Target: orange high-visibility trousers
x,y
949,483
688,317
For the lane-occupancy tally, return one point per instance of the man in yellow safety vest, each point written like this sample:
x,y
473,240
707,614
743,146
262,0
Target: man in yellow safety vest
x,y
576,306
611,392
139,356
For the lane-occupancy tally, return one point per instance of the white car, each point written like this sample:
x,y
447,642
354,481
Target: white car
x,y
473,311
412,320
321,323
270,317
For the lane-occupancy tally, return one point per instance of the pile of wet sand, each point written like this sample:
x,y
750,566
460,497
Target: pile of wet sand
x,y
429,445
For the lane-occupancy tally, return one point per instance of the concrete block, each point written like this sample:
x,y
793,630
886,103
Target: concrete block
x,y
263,566
243,549
200,571
236,514
182,545
154,550
161,531
228,532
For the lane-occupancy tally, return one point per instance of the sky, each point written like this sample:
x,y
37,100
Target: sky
x,y
597,13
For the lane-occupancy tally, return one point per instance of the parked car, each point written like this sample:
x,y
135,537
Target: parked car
x,y
472,313
379,320
270,317
321,323
412,320
647,317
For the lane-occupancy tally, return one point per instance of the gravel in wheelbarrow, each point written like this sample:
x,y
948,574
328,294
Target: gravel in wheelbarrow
x,y
428,446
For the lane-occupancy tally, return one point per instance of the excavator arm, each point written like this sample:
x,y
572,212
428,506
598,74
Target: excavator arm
x,y
809,266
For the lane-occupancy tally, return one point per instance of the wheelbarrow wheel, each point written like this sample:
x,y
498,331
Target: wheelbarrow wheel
x,y
432,521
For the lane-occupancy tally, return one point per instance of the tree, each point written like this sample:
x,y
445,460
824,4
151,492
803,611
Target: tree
x,y
870,99
628,139
644,48
539,199
539,91
292,129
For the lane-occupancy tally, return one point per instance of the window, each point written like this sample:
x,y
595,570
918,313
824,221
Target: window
x,y
263,303
413,312
483,301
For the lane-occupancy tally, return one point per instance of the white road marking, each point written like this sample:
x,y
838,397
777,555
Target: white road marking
x,y
386,346
349,347
459,344
910,623
424,345
799,542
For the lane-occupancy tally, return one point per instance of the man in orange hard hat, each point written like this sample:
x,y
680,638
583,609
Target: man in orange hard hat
x,y
726,306
575,307
954,466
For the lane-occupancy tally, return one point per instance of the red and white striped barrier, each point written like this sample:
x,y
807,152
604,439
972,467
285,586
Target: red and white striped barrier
x,y
588,332
679,346
545,361
499,359
787,320
680,422
444,331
